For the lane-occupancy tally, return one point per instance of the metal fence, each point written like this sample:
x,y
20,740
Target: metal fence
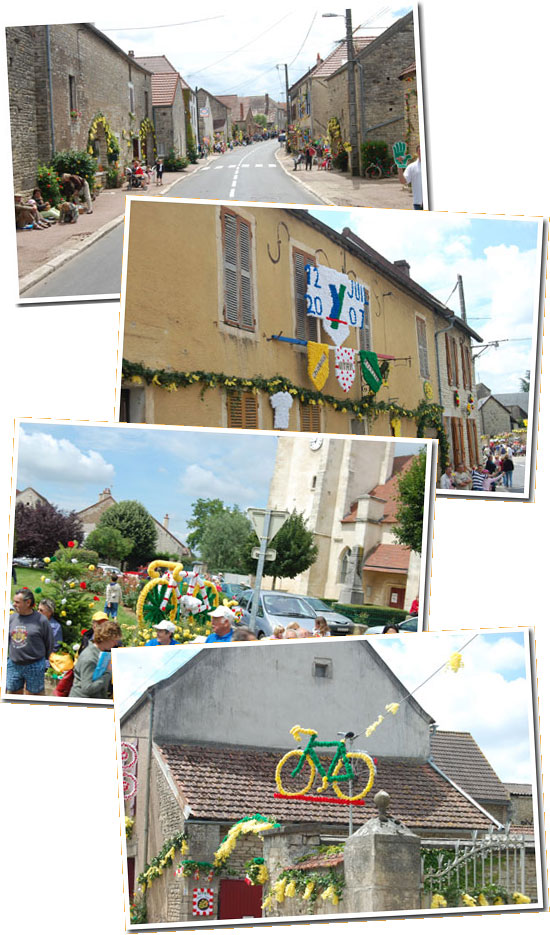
x,y
488,858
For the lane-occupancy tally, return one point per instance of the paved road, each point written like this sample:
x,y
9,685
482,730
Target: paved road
x,y
249,173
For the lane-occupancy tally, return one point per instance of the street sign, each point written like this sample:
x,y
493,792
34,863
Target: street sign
x,y
276,520
270,554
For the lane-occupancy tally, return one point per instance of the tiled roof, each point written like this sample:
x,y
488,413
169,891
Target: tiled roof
x,y
339,57
390,558
225,783
519,788
387,492
460,758
164,88
407,72
159,65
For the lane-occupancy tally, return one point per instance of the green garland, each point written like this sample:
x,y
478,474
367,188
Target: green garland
x,y
309,885
147,126
157,865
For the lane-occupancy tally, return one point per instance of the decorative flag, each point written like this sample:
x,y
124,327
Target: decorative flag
x,y
336,329
340,302
129,785
370,369
203,901
317,364
345,366
282,403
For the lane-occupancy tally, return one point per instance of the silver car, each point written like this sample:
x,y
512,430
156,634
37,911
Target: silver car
x,y
279,608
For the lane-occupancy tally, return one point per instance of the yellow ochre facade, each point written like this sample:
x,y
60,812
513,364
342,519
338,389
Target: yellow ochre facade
x,y
191,318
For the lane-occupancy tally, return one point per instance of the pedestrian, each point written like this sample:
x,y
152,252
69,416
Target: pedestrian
x,y
478,476
391,628
222,619
159,169
30,643
278,632
321,627
412,176
446,481
165,634
507,470
462,478
87,682
113,597
47,608
309,154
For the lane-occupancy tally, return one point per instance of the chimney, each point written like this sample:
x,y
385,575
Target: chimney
x,y
242,111
131,53
319,59
105,494
166,521
403,267
266,104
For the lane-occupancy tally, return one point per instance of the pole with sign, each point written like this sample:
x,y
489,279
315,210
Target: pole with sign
x,y
266,524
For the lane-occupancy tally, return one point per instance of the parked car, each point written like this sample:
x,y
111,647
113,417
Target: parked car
x,y
281,608
109,569
409,625
24,561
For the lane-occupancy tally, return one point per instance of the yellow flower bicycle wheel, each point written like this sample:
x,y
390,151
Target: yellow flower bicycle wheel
x,y
363,777
293,785
148,610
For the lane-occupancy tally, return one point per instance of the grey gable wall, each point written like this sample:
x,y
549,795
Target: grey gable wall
x,y
251,695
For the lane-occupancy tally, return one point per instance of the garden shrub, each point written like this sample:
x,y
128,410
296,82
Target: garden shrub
x,y
175,163
376,151
48,182
76,162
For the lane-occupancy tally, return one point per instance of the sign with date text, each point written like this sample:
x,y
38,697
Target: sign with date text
x,y
339,302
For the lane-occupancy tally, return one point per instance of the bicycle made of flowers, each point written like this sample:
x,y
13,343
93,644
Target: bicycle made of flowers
x,y
350,773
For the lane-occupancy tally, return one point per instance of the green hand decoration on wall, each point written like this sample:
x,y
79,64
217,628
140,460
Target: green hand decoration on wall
x,y
400,155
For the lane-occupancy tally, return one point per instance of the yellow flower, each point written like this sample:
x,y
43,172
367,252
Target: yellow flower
x,y
309,889
91,567
481,901
47,561
468,900
156,379
63,613
279,890
172,388
335,899
498,901
91,604
42,577
290,890
328,893
267,902
372,727
520,898
438,901
392,708
455,662
263,875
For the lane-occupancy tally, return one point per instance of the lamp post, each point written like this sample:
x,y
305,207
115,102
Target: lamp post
x,y
351,91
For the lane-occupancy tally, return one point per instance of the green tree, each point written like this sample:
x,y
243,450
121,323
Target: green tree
x,y
202,511
75,588
224,540
260,119
109,543
525,382
410,511
296,549
133,522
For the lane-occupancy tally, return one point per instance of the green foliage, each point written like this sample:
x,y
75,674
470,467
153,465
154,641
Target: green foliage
x,y
168,556
40,528
75,162
110,544
376,151
341,161
525,382
70,583
48,183
260,119
296,549
138,910
410,512
370,615
192,153
224,540
202,510
133,522
85,555
114,178
175,163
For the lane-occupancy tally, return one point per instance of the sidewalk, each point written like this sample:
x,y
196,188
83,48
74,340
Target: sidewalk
x,y
41,251
338,188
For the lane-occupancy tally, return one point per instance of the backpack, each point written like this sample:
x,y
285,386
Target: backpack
x,y
63,687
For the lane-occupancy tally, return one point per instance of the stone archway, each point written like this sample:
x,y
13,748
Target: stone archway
x,y
99,147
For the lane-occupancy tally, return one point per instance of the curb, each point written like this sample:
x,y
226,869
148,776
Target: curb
x,y
294,176
31,279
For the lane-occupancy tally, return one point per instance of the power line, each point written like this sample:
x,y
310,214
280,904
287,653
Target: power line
x,y
163,25
230,54
305,40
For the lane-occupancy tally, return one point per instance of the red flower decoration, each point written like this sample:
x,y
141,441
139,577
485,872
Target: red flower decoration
x,y
83,630
83,585
96,598
71,544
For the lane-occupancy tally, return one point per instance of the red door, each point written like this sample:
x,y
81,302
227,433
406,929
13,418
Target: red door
x,y
397,598
237,899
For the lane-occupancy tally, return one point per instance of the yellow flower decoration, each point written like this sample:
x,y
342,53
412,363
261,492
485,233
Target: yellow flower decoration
x,y
156,380
172,388
136,379
498,901
481,900
290,890
392,708
372,727
47,561
468,900
328,893
72,584
91,604
91,567
267,902
279,890
63,613
309,889
520,898
455,662
263,875
438,901
42,577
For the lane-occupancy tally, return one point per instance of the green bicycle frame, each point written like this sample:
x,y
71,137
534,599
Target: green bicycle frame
x,y
340,755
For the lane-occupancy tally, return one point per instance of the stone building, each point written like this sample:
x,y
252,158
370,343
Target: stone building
x,y
183,269
29,497
205,760
166,540
494,416
412,118
381,110
348,493
71,87
173,105
214,119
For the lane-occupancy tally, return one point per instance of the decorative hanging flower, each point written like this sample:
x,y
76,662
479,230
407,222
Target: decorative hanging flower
x,y
83,585
392,708
481,900
456,398
71,543
520,898
310,886
91,567
455,662
438,901
267,903
279,890
290,889
372,727
468,900
47,561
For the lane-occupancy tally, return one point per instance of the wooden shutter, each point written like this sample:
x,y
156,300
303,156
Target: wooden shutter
x,y
466,367
365,341
457,433
422,341
237,238
242,410
448,355
306,326
455,362
471,428
310,418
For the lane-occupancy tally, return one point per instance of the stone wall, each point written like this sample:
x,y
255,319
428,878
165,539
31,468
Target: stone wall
x,y
521,807
494,418
30,137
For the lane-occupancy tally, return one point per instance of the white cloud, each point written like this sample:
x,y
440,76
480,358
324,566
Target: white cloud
x,y
45,458
199,481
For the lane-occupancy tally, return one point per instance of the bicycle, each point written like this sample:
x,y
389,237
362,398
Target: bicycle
x,y
355,767
165,596
376,170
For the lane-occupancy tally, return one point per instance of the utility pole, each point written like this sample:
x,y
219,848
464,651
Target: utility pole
x,y
461,298
352,98
287,105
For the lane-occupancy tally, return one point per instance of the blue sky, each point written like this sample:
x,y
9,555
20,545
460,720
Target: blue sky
x,y
490,696
236,49
499,263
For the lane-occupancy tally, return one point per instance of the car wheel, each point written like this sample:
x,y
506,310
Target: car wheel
x,y
261,635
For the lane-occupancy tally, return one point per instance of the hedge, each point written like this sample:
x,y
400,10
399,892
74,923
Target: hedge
x,y
370,614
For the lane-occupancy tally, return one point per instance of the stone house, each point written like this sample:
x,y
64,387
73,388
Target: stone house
x,y
255,327
381,110
348,492
29,497
456,390
71,87
494,416
205,760
171,104
214,119
517,405
166,540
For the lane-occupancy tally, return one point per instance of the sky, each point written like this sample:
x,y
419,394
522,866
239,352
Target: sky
x,y
498,259
166,470
489,696
237,50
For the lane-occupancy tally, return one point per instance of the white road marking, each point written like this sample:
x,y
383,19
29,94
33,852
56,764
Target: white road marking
x,y
259,165
219,167
272,165
246,165
205,168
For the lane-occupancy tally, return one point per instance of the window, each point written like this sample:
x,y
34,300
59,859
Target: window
x,y
237,241
452,360
242,410
307,327
146,93
310,418
422,341
72,93
322,668
365,342
344,565
457,438
131,96
466,366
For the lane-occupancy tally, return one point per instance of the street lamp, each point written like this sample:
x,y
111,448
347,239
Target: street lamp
x,y
351,90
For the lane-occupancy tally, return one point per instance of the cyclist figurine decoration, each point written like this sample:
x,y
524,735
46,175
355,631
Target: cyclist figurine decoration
x,y
350,773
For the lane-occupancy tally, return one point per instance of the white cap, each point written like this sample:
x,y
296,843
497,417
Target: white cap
x,y
165,625
222,611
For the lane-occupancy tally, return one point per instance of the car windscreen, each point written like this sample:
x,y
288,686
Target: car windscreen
x,y
285,606
318,604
